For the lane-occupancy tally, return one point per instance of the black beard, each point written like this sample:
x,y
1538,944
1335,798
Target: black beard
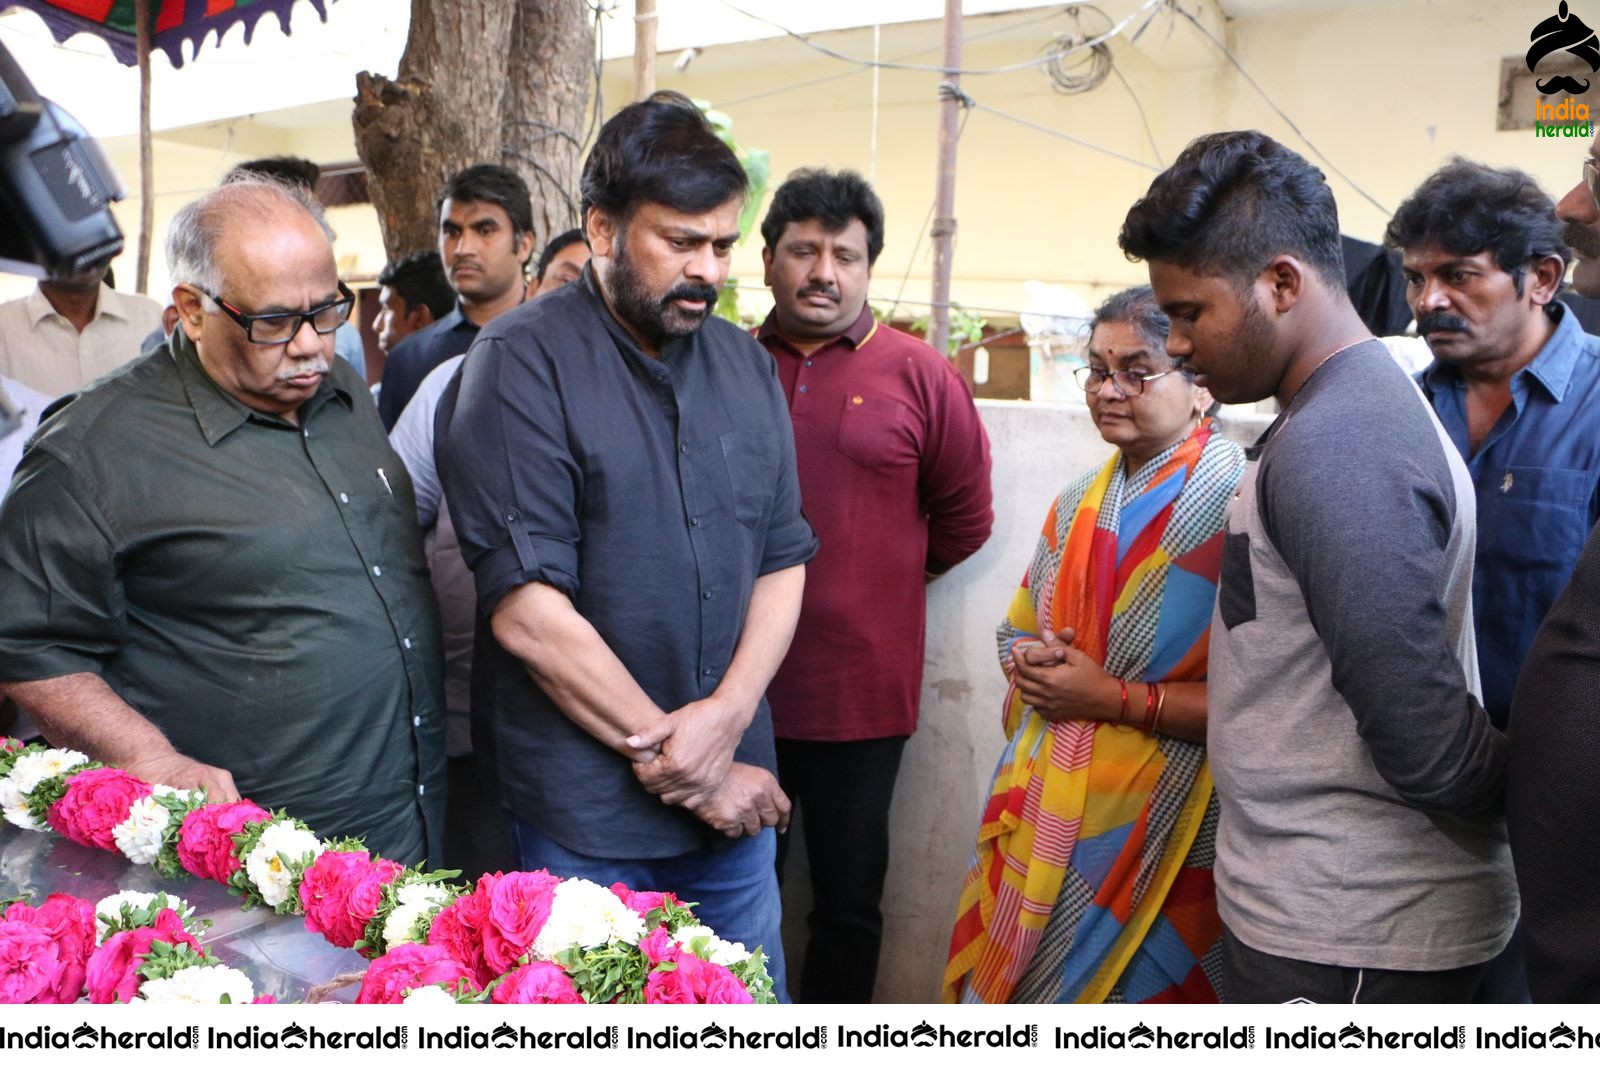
x,y
657,317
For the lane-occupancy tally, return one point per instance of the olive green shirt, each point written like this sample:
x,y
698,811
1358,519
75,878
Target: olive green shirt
x,y
254,588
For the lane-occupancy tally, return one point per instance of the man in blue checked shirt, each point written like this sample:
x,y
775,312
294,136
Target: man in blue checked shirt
x,y
1516,383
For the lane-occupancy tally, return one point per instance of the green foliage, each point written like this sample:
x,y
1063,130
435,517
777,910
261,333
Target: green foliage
x,y
9,756
966,328
753,973
166,862
757,164
166,960
131,917
611,972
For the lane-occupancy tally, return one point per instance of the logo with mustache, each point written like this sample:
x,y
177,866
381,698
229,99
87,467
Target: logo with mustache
x,y
1563,32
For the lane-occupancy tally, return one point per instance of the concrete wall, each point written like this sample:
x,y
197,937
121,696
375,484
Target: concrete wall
x,y
1038,448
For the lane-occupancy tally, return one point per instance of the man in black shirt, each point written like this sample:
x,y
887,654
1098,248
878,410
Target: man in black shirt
x,y
485,240
620,468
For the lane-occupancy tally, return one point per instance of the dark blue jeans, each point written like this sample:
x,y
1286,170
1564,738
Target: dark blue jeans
x,y
736,886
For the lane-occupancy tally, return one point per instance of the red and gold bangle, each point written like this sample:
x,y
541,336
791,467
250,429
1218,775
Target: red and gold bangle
x,y
1149,709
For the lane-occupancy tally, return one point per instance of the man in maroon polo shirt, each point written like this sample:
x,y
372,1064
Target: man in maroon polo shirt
x,y
894,476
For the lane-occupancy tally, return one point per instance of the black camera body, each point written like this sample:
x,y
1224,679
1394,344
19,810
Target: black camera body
x,y
56,186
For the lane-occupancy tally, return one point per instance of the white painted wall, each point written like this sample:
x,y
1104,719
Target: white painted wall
x,y
1038,448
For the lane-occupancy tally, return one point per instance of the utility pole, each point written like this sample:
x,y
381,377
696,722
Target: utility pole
x,y
144,28
944,222
644,49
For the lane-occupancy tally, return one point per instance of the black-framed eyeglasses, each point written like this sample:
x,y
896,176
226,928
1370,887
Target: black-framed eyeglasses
x,y
280,327
1126,382
1591,173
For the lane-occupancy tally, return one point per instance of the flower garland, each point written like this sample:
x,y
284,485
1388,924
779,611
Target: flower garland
x,y
526,937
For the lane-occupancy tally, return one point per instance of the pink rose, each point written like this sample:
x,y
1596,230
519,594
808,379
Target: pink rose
x,y
460,928
519,904
69,923
409,967
205,843
30,963
341,892
265,998
539,982
113,970
95,801
694,981
658,947
643,902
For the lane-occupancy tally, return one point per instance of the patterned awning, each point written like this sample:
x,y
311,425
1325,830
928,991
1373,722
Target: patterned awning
x,y
177,21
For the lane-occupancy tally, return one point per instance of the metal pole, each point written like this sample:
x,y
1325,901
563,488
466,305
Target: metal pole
x,y
644,49
944,223
147,196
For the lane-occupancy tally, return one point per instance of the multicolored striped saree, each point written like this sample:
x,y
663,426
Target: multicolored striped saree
x,y
1092,876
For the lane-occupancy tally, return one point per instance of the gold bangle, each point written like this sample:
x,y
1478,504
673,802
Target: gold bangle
x,y
1161,702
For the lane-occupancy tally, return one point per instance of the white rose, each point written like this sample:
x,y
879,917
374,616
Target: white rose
x,y
142,833
14,806
430,996
265,866
716,950
199,985
413,901
112,906
26,774
585,914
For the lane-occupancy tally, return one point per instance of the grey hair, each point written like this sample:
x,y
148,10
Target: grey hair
x,y
194,231
1138,308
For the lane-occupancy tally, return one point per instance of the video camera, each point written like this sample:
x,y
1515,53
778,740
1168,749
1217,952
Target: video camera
x,y
56,186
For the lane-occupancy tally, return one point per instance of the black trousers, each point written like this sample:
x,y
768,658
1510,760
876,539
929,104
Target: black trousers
x,y
843,790
477,839
1253,977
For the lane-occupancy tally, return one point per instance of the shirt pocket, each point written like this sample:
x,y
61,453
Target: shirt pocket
x,y
876,432
752,461
1236,587
1535,518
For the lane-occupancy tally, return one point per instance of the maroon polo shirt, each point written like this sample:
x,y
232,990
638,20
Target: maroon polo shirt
x,y
894,476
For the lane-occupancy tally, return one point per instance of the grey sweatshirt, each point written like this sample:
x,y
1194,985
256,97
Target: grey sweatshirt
x,y
1360,779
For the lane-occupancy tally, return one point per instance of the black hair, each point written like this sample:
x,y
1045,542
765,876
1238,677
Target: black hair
x,y
832,199
1229,204
291,170
553,249
419,279
1138,308
1465,208
487,183
661,150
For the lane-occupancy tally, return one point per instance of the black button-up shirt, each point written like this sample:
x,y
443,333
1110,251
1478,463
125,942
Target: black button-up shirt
x,y
653,492
415,357
253,587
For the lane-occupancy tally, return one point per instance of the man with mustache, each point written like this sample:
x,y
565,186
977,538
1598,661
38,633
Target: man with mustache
x,y
1515,382
1550,811
1360,852
620,470
894,472
485,241
210,563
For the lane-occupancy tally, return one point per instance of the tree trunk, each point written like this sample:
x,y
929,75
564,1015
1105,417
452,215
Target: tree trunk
x,y
481,81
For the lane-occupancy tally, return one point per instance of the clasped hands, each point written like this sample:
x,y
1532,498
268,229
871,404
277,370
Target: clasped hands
x,y
1061,682
693,766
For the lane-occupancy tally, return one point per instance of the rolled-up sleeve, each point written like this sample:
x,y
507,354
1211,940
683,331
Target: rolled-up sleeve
x,y
63,610
508,471
790,538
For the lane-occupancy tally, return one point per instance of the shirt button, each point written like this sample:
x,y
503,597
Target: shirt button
x,y
344,498
805,388
406,641
808,363
706,672
694,520
416,720
421,789
377,572
706,594
683,448
305,432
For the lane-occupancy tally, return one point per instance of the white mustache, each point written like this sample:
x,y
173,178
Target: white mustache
x,y
305,366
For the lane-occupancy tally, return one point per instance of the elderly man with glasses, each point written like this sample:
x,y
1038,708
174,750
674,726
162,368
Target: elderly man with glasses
x,y
209,561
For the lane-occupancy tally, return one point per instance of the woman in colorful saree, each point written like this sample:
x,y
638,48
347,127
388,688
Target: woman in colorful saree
x,y
1092,876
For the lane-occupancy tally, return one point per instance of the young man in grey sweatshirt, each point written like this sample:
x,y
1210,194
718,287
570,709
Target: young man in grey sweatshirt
x,y
1361,853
